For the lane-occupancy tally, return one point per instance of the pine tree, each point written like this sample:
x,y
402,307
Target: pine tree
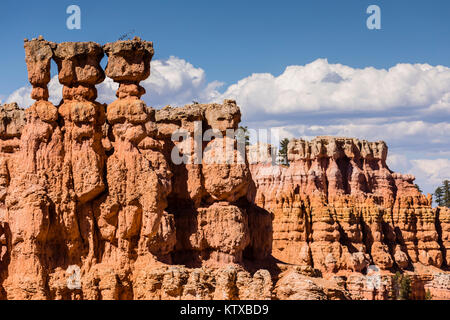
x,y
401,287
395,286
243,134
418,188
446,193
439,196
283,152
405,287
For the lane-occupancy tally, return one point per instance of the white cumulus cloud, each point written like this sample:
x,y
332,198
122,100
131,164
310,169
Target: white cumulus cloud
x,y
321,87
434,171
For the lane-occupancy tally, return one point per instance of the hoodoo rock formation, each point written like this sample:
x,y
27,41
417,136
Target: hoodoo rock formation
x,y
123,201
338,208
92,187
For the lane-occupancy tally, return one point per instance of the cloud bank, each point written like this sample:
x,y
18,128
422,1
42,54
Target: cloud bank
x,y
323,88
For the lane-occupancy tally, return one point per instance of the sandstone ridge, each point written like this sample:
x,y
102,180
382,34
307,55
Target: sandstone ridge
x,y
339,208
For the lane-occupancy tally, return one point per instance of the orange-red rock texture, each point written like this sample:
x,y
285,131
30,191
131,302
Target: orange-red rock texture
x,y
93,186
338,208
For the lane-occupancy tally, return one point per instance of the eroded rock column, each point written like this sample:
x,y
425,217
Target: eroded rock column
x,y
84,157
132,218
226,179
33,182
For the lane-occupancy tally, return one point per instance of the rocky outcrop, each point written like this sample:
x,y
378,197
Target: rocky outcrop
x,y
303,284
443,230
438,287
339,201
339,208
93,205
226,283
38,56
123,201
214,220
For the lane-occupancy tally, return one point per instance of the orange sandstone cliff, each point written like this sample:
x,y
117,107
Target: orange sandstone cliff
x,y
91,193
338,208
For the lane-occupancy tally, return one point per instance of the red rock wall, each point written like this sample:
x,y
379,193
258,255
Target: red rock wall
x,y
95,188
339,192
339,208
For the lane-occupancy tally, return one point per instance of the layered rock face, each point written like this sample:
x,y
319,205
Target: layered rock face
x,y
214,220
123,201
339,208
90,190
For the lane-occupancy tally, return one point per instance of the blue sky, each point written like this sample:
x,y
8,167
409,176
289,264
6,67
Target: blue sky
x,y
308,67
233,39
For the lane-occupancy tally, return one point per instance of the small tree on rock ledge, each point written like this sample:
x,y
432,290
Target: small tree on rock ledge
x,y
442,194
283,152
